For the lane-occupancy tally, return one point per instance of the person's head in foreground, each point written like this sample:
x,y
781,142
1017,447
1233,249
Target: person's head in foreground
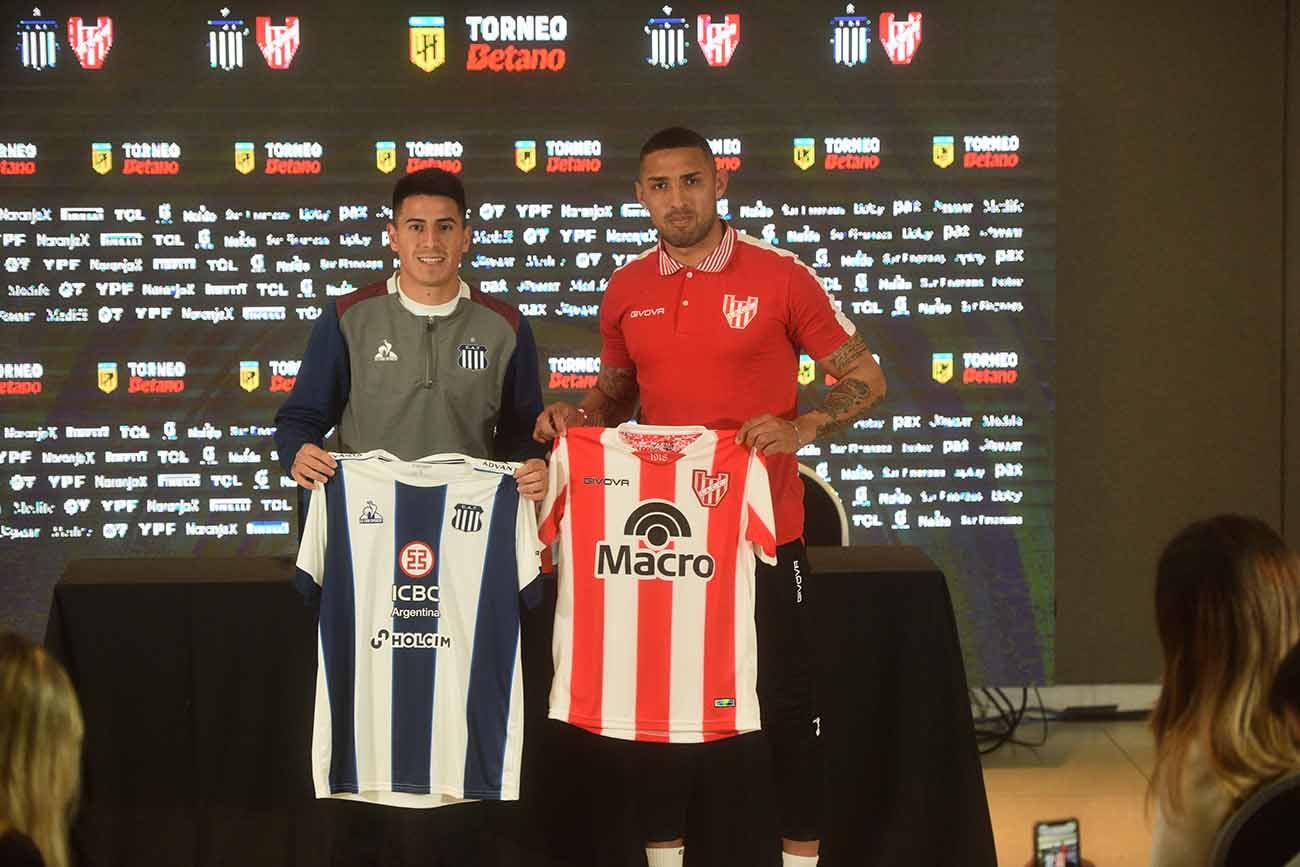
x,y
1227,614
40,747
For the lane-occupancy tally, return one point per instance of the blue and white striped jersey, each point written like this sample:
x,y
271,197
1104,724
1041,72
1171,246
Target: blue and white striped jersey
x,y
418,566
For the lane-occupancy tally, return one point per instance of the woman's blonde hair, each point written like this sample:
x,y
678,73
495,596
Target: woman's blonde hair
x,y
40,746
1227,612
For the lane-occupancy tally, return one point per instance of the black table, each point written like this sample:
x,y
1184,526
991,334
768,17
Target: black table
x,y
197,679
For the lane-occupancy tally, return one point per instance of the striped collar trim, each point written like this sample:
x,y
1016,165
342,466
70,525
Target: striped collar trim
x,y
716,261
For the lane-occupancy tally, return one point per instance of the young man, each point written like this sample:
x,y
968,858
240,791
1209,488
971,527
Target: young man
x,y
706,329
418,363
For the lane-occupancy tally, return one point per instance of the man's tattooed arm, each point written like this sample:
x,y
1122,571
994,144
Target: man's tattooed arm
x,y
861,386
614,399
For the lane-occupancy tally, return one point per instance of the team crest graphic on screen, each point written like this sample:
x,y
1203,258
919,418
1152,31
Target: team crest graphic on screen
x,y
718,39
667,41
250,375
101,157
941,366
226,43
106,377
428,41
851,36
526,155
805,153
278,42
385,156
944,151
900,38
657,543
38,42
415,559
90,42
245,157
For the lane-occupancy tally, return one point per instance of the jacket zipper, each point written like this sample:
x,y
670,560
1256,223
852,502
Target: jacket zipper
x,y
428,354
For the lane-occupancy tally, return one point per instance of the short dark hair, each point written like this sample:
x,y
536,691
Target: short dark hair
x,y
430,182
676,137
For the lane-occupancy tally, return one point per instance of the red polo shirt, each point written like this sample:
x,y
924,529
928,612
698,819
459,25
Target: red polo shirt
x,y
718,344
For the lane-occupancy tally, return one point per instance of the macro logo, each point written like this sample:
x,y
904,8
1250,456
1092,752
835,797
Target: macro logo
x,y
941,366
851,37
900,38
428,41
656,543
943,151
250,375
495,43
226,42
718,39
667,40
90,42
106,376
805,153
101,157
278,42
526,155
38,42
385,156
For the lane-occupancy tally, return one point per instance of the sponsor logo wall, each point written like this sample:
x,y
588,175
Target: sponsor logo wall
x,y
160,277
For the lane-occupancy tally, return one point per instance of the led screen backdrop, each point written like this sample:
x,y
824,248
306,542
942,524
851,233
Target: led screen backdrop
x,y
183,188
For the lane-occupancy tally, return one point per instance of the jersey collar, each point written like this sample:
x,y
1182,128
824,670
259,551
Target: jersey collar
x,y
714,262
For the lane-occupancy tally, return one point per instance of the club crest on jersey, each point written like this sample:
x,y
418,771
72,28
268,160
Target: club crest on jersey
x,y
467,517
739,311
385,351
472,356
657,543
370,514
415,559
710,490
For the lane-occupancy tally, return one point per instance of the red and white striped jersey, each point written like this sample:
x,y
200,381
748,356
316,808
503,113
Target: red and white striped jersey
x,y
658,528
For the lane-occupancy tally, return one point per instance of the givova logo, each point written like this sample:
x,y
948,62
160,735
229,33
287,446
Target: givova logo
x,y
656,543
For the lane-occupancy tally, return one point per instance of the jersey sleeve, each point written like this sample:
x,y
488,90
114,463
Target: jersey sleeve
x,y
816,324
310,572
557,493
613,348
758,523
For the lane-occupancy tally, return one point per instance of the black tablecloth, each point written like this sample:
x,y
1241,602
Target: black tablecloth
x,y
197,680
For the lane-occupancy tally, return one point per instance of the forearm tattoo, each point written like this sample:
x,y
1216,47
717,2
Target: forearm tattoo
x,y
842,359
617,386
847,400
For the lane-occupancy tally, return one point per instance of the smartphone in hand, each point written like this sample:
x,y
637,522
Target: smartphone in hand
x,y
1056,843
